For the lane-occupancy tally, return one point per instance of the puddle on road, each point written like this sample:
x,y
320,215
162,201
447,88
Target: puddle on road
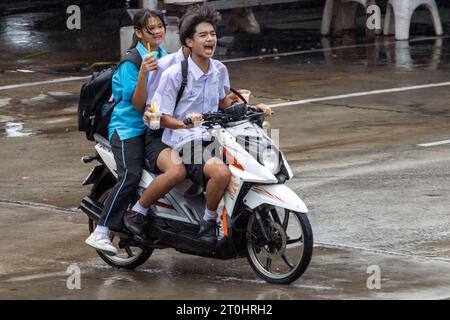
x,y
40,99
16,130
4,102
58,120
20,70
59,93
40,34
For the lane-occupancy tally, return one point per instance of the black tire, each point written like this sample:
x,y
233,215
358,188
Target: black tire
x,y
136,256
273,271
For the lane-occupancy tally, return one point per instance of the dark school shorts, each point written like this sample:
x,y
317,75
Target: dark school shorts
x,y
153,147
194,155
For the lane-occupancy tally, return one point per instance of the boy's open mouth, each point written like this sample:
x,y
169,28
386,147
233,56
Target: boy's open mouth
x,y
209,48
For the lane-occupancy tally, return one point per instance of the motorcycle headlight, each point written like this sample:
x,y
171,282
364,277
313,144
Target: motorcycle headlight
x,y
270,160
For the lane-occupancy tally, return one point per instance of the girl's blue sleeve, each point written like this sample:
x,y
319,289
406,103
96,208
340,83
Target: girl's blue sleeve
x,y
128,74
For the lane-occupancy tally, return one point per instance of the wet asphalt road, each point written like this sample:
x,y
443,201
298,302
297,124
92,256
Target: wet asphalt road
x,y
376,198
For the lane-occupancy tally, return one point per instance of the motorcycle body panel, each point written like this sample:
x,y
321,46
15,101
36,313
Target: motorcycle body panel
x,y
278,195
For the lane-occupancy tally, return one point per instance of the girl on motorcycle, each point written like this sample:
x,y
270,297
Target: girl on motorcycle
x,y
163,160
126,129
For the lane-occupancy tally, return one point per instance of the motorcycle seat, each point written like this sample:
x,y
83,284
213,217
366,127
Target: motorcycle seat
x,y
188,189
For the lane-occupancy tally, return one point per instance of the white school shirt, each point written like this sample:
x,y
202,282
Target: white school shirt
x,y
201,95
155,76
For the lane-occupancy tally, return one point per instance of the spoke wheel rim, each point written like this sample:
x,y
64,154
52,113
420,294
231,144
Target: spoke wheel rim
x,y
287,258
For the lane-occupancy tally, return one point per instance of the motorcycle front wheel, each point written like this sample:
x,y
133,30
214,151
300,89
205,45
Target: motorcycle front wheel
x,y
279,244
128,257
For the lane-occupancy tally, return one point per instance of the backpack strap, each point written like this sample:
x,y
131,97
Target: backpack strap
x,y
133,56
184,73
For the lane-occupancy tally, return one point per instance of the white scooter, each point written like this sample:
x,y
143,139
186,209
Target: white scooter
x,y
262,219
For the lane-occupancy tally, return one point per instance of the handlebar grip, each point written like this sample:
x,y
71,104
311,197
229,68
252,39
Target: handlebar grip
x,y
188,121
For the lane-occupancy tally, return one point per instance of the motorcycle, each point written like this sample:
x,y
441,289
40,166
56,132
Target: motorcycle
x,y
260,218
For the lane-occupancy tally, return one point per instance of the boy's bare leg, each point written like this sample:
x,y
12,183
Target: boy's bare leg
x,y
173,172
218,176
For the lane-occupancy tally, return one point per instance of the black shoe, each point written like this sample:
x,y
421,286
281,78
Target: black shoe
x,y
207,231
135,222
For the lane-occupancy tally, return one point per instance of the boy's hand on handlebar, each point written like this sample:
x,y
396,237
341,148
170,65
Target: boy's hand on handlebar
x,y
233,97
195,118
265,108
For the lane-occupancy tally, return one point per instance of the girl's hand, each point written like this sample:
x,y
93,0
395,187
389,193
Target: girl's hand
x,y
148,114
265,108
149,63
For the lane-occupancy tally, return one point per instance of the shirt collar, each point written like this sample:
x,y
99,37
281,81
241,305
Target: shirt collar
x,y
197,72
141,49
179,54
162,52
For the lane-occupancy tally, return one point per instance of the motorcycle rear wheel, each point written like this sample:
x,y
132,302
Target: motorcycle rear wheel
x,y
286,254
129,257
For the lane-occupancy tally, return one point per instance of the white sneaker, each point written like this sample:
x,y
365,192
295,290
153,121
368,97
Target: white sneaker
x,y
101,241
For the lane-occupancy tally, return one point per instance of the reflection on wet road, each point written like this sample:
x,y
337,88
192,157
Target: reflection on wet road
x,y
32,39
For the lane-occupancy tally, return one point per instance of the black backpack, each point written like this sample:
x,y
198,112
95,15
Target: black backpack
x,y
96,102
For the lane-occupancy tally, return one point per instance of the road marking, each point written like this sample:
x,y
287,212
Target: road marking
x,y
37,276
432,144
360,94
379,251
283,54
30,84
41,206
293,53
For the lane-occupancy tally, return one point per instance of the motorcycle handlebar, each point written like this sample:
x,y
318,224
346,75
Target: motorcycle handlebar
x,y
221,118
188,121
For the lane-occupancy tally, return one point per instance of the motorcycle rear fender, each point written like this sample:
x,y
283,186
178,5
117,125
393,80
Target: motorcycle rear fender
x,y
94,175
107,157
278,195
101,178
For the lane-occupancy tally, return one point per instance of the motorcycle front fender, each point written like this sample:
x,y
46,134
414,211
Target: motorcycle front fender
x,y
278,195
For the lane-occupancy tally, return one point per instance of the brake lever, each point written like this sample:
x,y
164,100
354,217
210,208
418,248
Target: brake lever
x,y
255,109
208,124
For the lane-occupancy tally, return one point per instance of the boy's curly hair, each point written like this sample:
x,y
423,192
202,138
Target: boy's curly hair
x,y
193,17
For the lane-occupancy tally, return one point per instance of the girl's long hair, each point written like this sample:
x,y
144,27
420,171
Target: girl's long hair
x,y
140,22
